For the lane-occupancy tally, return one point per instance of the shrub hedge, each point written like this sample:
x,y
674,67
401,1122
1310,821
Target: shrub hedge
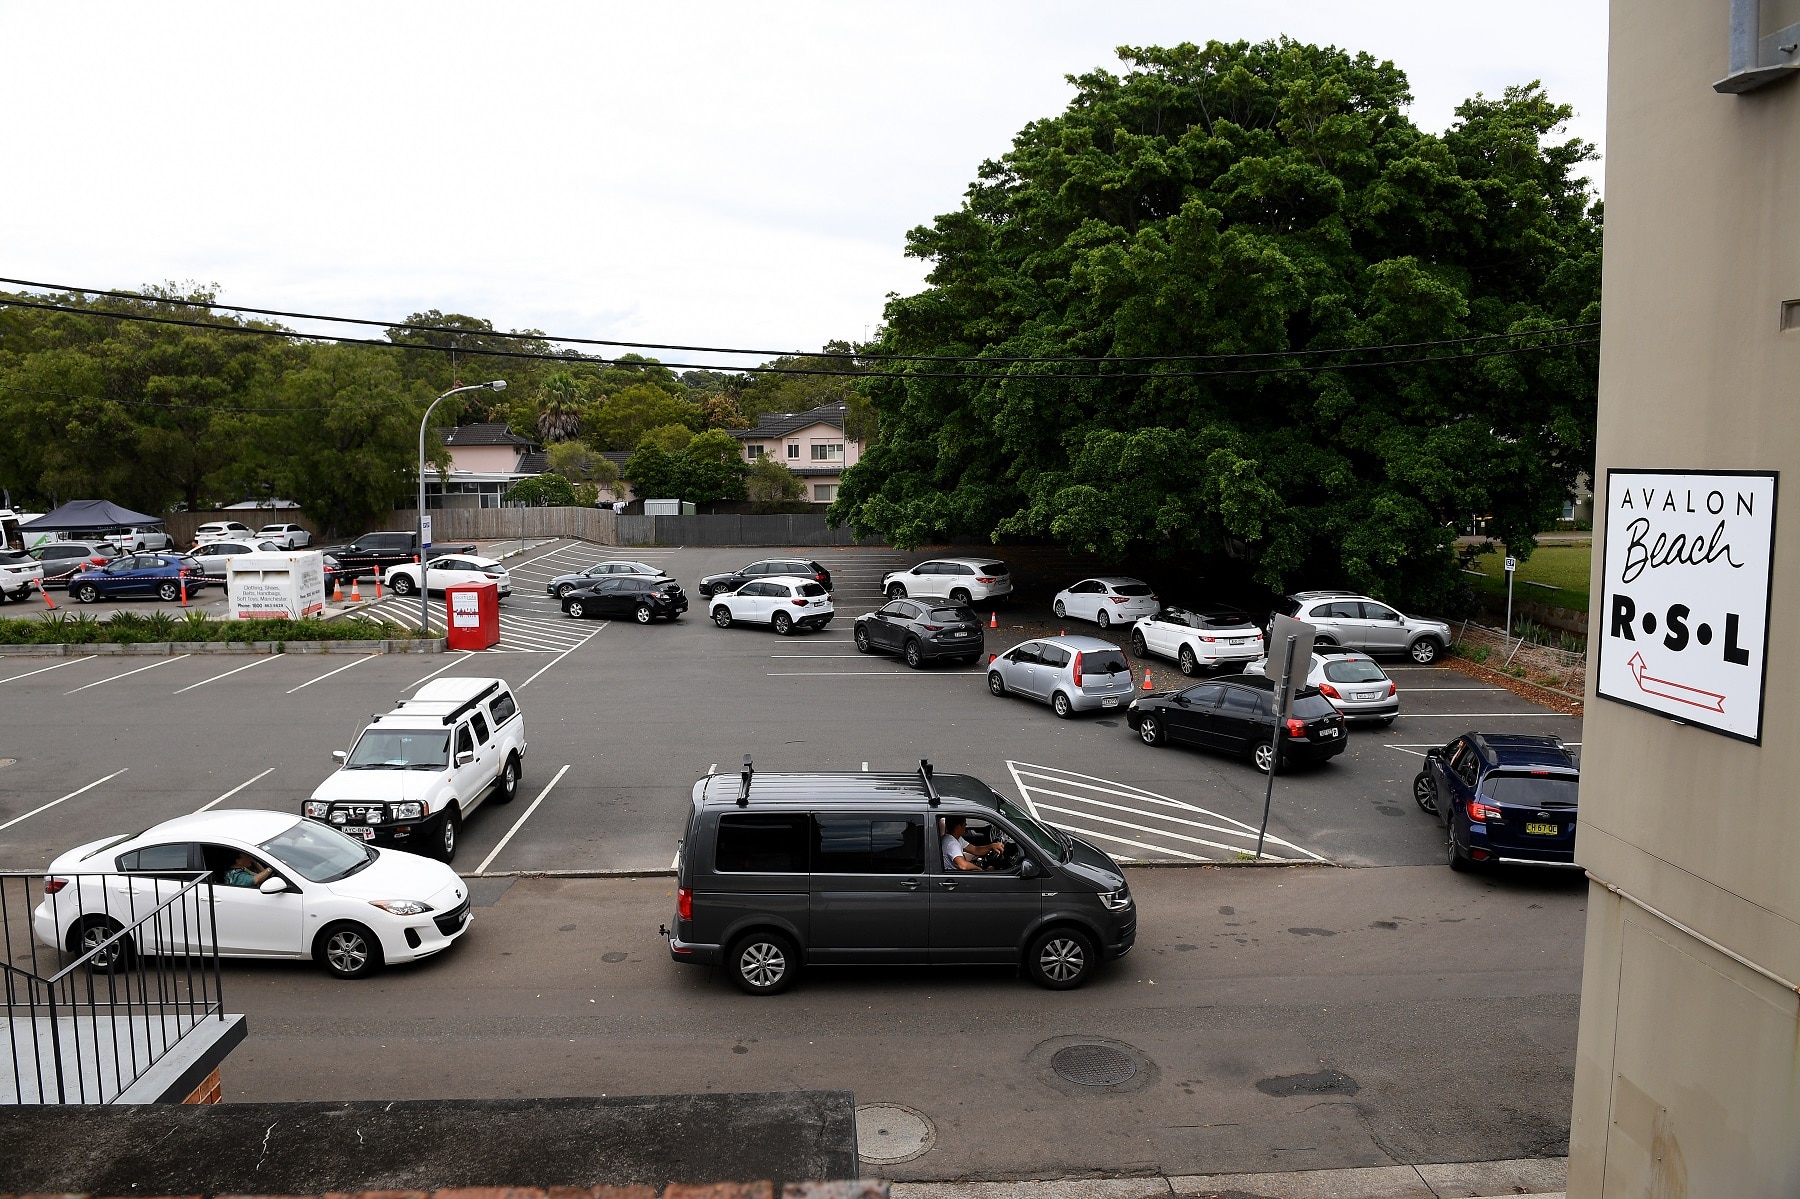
x,y
130,628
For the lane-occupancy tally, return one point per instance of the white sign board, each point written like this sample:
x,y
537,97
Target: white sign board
x,y
264,586
1682,624
1512,564
425,531
465,609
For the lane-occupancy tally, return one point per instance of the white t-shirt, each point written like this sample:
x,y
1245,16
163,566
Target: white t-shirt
x,y
953,849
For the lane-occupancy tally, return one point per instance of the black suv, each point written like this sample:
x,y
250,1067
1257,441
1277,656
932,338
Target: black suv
x,y
921,630
640,597
768,568
1237,715
373,553
780,871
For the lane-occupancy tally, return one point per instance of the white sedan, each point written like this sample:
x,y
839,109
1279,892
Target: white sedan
x,y
213,555
448,571
1107,601
278,886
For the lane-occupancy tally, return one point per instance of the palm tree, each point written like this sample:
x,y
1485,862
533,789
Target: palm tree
x,y
559,408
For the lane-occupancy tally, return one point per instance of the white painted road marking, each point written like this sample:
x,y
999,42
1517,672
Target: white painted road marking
x,y
227,674
329,673
232,792
467,654
124,674
520,822
562,655
58,666
71,795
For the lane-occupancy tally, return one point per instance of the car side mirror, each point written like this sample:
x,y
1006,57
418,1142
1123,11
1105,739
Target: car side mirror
x,y
1030,869
464,757
339,755
1182,700
273,885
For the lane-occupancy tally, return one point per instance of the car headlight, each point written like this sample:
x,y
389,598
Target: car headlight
x,y
316,809
1116,901
402,907
1132,705
407,811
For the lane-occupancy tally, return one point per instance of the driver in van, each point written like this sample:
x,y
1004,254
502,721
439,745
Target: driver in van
x,y
959,854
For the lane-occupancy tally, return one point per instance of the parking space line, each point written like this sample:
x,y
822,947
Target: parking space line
x,y
523,817
861,674
1157,849
467,654
1101,803
71,795
227,674
561,656
852,655
1416,690
140,670
58,666
1142,828
1484,715
209,806
329,673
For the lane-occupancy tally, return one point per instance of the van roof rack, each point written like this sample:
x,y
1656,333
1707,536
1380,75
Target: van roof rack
x,y
744,783
925,778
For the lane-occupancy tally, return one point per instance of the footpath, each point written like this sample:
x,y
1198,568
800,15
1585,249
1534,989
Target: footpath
x,y
1543,1177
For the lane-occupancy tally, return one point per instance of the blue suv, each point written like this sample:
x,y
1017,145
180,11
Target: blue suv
x,y
1502,798
158,575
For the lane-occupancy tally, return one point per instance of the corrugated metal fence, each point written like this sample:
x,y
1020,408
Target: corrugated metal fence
x,y
603,527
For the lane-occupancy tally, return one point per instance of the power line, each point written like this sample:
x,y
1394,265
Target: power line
x,y
964,376
831,354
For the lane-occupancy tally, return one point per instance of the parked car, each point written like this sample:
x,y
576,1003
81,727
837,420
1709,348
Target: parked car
x,y
638,597
1358,622
1107,601
17,574
136,541
783,871
1204,638
1352,683
1071,674
1236,715
921,632
213,555
448,571
61,560
162,576
348,906
1502,798
768,568
288,537
219,530
964,580
418,772
372,553
561,585
784,604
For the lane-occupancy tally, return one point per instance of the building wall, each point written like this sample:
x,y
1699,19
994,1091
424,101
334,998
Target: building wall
x,y
484,459
804,440
1688,1068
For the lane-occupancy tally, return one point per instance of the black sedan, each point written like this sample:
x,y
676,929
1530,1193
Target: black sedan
x,y
921,630
1236,715
768,568
638,597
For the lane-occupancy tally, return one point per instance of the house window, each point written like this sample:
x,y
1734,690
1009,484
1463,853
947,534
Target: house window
x,y
753,452
828,452
793,449
824,493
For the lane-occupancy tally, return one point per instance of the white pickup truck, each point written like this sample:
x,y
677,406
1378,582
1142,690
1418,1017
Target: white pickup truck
x,y
417,772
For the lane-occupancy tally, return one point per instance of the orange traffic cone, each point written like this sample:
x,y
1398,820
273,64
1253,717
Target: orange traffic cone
x,y
356,590
337,590
994,619
991,658
183,578
1147,686
45,592
378,588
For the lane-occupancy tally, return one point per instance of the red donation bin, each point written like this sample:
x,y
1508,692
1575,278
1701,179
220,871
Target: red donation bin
x,y
474,615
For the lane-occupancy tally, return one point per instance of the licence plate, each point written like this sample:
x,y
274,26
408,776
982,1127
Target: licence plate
x,y
1111,701
1240,641
1543,830
1328,732
1368,695
363,831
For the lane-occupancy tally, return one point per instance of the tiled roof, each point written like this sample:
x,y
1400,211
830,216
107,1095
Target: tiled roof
x,y
780,424
492,433
533,462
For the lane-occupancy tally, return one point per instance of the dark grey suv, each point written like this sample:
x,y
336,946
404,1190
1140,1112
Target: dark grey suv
x,y
780,871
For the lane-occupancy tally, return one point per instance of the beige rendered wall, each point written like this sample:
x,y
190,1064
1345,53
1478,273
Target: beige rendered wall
x,y
1688,1068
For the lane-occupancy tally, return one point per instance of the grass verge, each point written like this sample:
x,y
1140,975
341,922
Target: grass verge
x,y
1562,568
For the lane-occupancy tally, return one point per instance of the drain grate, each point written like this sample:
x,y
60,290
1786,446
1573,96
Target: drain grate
x,y
1094,1065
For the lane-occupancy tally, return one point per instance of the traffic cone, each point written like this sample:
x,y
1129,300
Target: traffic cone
x,y
991,658
356,590
994,619
45,592
183,590
377,588
337,590
1147,686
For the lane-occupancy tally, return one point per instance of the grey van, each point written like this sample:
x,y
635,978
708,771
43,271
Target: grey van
x,y
780,871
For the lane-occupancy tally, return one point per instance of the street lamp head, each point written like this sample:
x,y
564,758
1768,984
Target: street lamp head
x,y
498,385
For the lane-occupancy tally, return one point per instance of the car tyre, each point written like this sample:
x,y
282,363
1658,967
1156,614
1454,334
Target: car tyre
x,y
91,931
960,595
1062,612
562,592
914,654
507,788
1139,648
575,608
21,595
763,963
1458,862
1150,731
449,833
782,623
401,584
1061,959
87,593
1424,651
721,616
1189,664
896,591
1102,619
347,950
168,593
1059,704
643,614
863,644
996,684
1262,757
1425,793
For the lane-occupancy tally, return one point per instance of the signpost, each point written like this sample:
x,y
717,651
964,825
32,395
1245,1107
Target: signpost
x,y
1290,650
1512,565
1683,618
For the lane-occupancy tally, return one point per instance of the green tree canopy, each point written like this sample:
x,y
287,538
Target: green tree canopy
x,y
712,468
1243,199
769,484
620,420
542,491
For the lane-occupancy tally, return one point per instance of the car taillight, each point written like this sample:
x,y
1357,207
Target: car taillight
x,y
1296,727
1392,690
1078,668
818,578
935,628
982,580
684,902
1117,599
1208,640
1482,811
53,885
1328,689
798,603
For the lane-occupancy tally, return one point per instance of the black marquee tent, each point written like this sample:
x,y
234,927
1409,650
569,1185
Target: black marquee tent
x,y
91,515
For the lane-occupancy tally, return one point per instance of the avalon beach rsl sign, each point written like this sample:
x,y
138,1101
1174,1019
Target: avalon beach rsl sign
x,y
1684,595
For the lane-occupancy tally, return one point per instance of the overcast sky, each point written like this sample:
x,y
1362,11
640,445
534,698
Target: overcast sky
x,y
722,174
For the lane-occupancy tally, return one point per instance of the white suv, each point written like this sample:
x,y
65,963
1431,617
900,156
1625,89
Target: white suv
x,y
784,604
288,537
416,773
964,580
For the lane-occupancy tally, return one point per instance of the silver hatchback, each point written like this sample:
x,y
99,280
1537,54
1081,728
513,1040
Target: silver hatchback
x,y
1354,683
1071,674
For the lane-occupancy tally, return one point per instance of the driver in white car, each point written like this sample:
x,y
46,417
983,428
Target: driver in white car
x,y
247,872
959,853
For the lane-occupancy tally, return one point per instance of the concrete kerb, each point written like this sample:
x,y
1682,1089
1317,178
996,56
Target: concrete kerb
x,y
1545,1178
426,645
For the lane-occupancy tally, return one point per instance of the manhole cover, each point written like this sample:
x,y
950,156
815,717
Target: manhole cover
x,y
887,1133
1093,1065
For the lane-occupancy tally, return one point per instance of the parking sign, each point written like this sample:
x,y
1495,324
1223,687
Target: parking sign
x,y
1682,626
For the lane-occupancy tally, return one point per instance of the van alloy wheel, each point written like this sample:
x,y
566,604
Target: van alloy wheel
x,y
1061,959
763,963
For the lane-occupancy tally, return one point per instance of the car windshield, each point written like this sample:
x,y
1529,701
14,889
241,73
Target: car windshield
x,y
952,614
1036,833
318,853
1132,589
1359,670
401,749
1531,791
1104,661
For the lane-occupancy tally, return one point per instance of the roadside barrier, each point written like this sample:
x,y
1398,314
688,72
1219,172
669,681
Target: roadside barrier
x,y
45,592
183,590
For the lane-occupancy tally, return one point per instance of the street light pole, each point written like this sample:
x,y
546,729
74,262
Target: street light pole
x,y
424,591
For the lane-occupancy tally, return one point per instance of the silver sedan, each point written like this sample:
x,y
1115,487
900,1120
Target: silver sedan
x,y
1354,683
1071,674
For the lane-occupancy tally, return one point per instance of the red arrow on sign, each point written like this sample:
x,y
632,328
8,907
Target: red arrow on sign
x,y
1712,701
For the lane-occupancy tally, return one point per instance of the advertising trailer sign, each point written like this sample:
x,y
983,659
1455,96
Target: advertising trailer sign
x,y
1683,620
